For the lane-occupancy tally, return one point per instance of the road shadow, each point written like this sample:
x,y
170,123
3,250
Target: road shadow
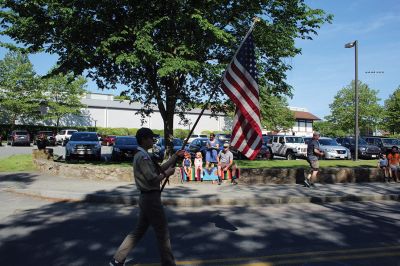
x,y
67,233
23,178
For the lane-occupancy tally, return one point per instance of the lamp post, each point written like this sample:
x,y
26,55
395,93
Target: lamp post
x,y
356,131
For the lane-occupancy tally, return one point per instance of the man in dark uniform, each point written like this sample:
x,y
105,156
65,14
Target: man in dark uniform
x,y
313,152
151,213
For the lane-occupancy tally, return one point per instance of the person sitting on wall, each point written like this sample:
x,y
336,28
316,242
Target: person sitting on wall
x,y
225,163
187,165
198,166
212,151
41,142
394,162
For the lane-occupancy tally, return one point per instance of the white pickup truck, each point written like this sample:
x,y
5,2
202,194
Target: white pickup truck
x,y
64,135
288,146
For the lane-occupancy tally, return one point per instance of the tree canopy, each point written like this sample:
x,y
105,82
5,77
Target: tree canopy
x,y
275,114
63,94
342,109
391,114
20,94
168,53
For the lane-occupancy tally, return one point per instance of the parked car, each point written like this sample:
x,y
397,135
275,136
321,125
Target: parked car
x,y
83,145
108,140
20,137
124,148
364,149
265,152
223,138
385,144
195,136
197,145
331,149
159,147
288,146
64,135
51,140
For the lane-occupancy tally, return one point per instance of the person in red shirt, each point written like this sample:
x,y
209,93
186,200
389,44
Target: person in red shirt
x,y
394,159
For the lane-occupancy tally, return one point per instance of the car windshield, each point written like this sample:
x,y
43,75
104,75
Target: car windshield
x,y
84,137
21,133
203,136
47,133
328,142
224,138
294,140
360,141
126,141
391,141
176,142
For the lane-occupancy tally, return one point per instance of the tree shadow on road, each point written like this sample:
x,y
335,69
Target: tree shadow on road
x,y
68,233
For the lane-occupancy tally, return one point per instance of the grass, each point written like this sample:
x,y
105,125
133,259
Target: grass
x,y
23,162
17,163
303,163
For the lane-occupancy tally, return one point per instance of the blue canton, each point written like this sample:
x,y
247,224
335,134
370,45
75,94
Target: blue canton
x,y
246,57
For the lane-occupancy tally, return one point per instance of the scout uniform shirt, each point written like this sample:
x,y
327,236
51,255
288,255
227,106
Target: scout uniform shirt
x,y
145,172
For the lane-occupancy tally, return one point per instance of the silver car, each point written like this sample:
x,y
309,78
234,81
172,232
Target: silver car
x,y
333,150
83,145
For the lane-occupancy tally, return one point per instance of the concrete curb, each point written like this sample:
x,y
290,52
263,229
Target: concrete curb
x,y
62,196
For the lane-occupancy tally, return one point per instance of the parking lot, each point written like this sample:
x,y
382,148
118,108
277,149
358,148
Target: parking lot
x,y
6,151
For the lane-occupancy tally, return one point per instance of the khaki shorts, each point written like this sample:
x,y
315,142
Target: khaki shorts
x,y
314,164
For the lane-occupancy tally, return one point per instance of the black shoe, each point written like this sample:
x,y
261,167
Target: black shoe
x,y
113,262
234,183
307,183
219,183
313,185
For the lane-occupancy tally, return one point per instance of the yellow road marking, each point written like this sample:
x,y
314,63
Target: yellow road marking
x,y
313,256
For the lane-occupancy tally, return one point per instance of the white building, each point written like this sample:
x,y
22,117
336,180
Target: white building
x,y
103,111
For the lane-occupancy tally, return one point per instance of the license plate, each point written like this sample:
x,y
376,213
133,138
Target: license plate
x,y
341,156
373,156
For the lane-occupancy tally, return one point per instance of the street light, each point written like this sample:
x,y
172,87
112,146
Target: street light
x,y
355,45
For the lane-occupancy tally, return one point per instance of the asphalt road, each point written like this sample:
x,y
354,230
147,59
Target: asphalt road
x,y
40,232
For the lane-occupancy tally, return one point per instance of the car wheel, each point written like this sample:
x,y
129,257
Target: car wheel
x,y
67,158
290,156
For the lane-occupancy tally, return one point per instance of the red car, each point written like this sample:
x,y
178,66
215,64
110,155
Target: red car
x,y
108,141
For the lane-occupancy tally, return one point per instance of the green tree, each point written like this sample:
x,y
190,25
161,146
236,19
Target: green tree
x,y
328,129
20,93
168,53
369,110
391,114
275,114
63,94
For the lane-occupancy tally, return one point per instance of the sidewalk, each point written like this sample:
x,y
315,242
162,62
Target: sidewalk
x,y
192,194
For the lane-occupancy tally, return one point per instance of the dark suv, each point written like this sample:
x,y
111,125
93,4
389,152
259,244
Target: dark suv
x,y
385,144
19,137
364,149
51,140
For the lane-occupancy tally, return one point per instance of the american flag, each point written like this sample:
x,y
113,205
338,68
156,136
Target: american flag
x,y
240,84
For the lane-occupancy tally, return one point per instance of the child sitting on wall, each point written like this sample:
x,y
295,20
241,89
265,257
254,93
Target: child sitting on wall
x,y
383,164
187,164
198,166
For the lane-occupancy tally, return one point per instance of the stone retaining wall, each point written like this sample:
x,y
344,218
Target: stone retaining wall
x,y
247,176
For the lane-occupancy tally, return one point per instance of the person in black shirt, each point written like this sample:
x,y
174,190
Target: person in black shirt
x,y
313,152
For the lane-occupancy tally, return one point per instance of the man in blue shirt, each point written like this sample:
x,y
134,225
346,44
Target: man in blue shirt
x,y
313,152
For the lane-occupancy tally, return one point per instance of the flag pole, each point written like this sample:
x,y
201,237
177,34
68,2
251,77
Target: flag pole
x,y
255,19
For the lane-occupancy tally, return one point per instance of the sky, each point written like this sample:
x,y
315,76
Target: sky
x,y
325,66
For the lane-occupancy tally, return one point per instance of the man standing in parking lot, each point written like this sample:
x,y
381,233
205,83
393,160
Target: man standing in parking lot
x,y
313,152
